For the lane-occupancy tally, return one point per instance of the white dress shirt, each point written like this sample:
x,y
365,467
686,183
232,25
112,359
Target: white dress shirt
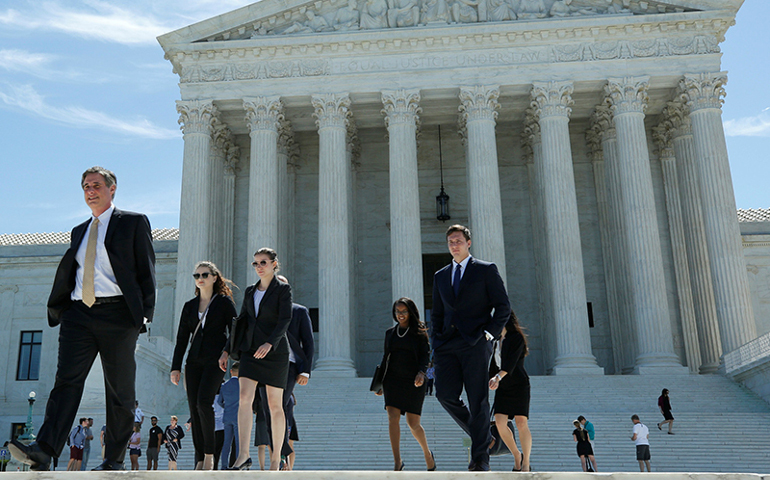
x,y
105,284
463,265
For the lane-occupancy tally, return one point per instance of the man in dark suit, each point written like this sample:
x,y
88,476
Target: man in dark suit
x,y
470,308
301,350
103,295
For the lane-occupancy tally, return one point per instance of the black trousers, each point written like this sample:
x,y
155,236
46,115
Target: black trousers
x,y
107,330
288,408
202,381
459,365
219,436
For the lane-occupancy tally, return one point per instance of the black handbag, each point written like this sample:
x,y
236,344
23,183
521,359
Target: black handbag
x,y
499,447
379,376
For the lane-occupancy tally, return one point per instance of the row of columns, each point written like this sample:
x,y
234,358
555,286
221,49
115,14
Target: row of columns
x,y
639,314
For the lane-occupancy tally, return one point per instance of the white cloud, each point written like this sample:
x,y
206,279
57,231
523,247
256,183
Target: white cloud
x,y
26,98
103,20
754,126
23,61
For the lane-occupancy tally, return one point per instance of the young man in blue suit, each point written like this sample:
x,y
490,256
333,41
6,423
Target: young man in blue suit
x,y
103,295
470,308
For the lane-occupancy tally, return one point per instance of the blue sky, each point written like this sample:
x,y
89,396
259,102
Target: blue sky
x,y
84,82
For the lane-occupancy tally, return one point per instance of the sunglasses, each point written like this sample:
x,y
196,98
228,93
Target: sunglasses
x,y
203,275
263,263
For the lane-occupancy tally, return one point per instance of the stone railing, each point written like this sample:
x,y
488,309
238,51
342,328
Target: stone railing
x,y
747,354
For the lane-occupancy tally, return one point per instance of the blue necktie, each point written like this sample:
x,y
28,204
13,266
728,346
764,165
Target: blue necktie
x,y
456,283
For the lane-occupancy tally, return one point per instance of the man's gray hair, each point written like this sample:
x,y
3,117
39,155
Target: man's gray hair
x,y
109,178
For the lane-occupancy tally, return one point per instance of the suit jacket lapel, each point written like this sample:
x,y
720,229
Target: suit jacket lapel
x,y
250,304
114,220
78,233
468,275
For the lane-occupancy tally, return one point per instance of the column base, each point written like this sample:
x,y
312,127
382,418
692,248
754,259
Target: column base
x,y
577,370
335,367
707,369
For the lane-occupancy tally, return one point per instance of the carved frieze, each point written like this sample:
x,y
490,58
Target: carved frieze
x,y
237,68
341,15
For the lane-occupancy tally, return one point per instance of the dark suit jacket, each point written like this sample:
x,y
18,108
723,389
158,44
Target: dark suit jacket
x,y
250,331
470,313
208,343
300,334
129,246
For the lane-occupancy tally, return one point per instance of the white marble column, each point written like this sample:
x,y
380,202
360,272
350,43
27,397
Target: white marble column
x,y
628,100
232,157
552,102
285,141
334,276
478,107
594,143
220,139
602,118
402,110
662,136
533,152
728,267
263,117
196,117
695,238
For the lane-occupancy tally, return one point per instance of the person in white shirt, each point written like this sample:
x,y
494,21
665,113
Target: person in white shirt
x,y
138,414
641,437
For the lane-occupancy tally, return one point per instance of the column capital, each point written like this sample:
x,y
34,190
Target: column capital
x,y
263,113
401,107
462,129
353,143
627,95
232,157
662,136
285,136
676,115
331,110
530,135
601,121
703,90
479,102
552,99
221,135
594,142
196,116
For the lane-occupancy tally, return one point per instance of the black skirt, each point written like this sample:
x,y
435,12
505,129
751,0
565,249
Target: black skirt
x,y
512,400
272,370
401,393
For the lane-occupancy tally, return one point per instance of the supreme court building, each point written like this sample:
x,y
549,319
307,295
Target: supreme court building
x,y
581,141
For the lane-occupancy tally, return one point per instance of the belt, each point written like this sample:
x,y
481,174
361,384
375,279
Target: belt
x,y
106,300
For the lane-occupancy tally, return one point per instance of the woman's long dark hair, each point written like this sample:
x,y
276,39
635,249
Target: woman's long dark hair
x,y
514,325
414,315
221,284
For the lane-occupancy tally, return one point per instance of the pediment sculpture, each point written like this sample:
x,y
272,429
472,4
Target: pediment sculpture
x,y
381,14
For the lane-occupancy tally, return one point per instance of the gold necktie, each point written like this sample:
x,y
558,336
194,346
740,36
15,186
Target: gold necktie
x,y
89,297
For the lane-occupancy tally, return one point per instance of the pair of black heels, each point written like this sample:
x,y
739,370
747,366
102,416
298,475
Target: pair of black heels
x,y
430,469
244,466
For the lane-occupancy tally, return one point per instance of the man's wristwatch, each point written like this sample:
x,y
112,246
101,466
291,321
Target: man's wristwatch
x,y
498,377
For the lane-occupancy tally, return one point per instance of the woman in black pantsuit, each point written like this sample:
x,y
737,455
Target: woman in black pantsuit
x,y
259,341
406,357
204,325
512,397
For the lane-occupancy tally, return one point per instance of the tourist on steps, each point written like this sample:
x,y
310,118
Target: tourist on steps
x,y
405,360
584,450
664,404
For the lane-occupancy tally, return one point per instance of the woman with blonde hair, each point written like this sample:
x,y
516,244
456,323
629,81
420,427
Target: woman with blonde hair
x,y
204,325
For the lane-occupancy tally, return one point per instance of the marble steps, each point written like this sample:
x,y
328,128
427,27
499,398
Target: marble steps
x,y
720,426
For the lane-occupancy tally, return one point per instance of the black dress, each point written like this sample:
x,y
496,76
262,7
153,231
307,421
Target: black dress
x,y
665,406
583,444
512,395
404,357
251,330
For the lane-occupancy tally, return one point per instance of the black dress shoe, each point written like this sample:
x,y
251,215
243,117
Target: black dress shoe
x,y
31,454
108,465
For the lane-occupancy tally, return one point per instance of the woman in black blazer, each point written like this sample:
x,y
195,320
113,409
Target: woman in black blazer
x,y
204,325
405,360
259,341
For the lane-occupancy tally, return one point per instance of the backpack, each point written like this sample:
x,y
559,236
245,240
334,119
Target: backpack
x,y
68,436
